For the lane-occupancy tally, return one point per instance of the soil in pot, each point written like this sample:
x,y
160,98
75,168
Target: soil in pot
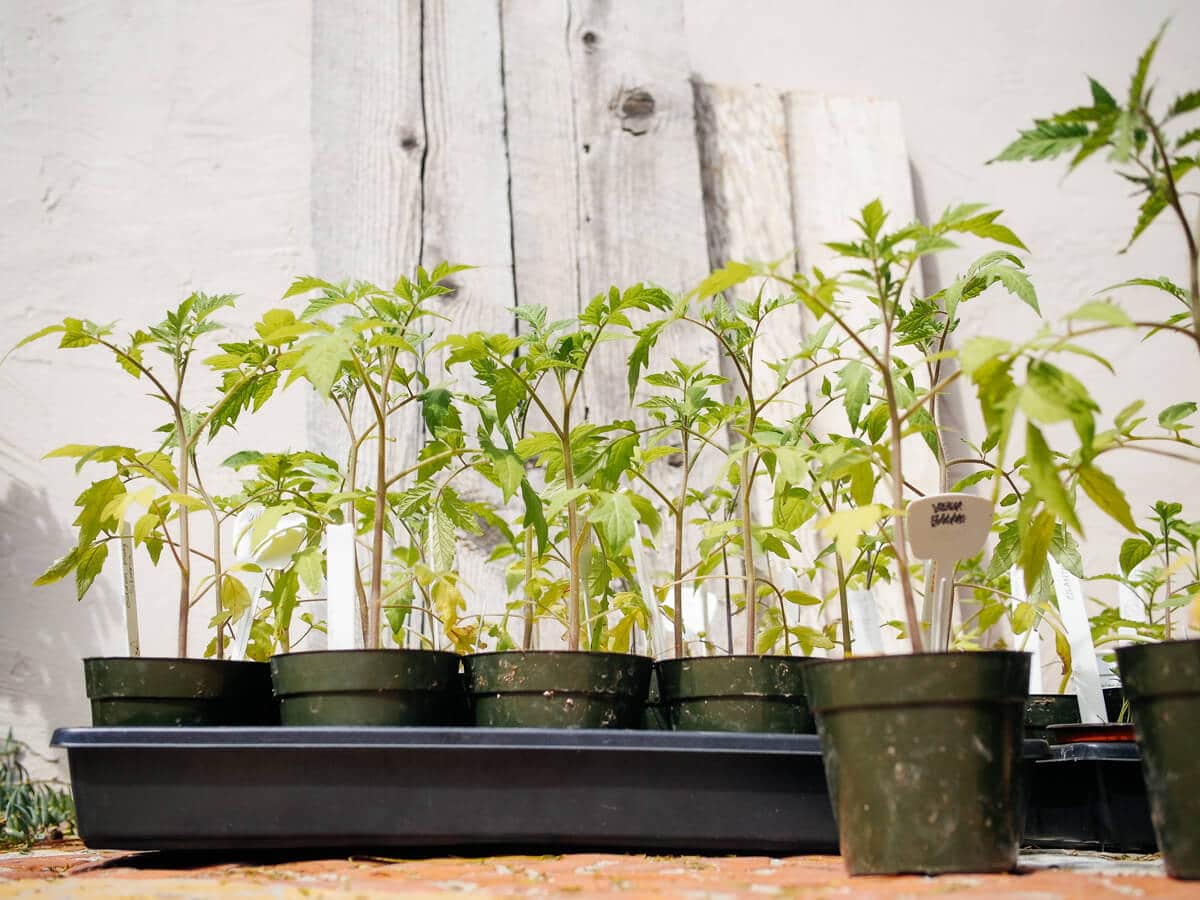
x,y
923,758
736,693
159,692
1162,682
368,687
557,689
1044,710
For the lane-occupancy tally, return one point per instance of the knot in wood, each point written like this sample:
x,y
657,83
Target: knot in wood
x,y
408,141
590,39
635,108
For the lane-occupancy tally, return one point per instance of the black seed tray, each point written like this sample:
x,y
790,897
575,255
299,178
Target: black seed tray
x,y
1089,796
296,788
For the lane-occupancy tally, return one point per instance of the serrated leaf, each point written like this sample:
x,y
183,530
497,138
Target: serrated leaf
x,y
855,379
321,359
845,526
977,351
442,542
1035,545
1044,482
1105,494
1023,618
58,569
1046,140
1152,206
509,472
508,390
91,561
722,280
1137,84
616,519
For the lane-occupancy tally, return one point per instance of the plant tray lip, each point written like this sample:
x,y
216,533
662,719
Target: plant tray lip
x,y
1094,751
328,737
416,738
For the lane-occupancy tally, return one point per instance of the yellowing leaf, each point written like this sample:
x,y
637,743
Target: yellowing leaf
x,y
845,526
1105,494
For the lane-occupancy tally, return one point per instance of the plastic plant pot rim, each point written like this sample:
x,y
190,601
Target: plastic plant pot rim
x,y
1164,669
170,678
558,673
383,651
568,654
759,677
364,672
918,680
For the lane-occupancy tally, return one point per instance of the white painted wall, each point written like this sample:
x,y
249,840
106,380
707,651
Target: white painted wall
x,y
150,149
146,150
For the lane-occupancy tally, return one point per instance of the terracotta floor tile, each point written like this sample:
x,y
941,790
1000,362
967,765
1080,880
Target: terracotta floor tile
x,y
68,870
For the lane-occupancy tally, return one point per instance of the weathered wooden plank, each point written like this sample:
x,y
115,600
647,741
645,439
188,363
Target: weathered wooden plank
x,y
368,151
846,151
465,216
542,153
641,212
744,165
368,148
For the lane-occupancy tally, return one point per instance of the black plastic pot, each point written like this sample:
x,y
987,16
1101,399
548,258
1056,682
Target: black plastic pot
x,y
1044,710
1089,796
736,693
152,691
368,687
923,757
1114,699
557,689
1162,682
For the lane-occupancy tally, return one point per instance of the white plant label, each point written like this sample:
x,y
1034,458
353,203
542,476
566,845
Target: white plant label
x,y
1084,672
658,631
945,528
1033,638
341,610
865,626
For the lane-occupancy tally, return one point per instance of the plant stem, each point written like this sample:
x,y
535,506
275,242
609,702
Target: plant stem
x,y
574,601
130,591
748,553
375,601
185,565
527,635
899,529
1189,237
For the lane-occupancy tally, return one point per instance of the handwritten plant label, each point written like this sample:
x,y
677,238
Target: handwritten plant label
x,y
948,527
945,528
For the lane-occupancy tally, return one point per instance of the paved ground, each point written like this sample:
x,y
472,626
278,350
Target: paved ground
x,y
68,869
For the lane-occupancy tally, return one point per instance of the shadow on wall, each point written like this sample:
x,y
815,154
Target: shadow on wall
x,y
44,631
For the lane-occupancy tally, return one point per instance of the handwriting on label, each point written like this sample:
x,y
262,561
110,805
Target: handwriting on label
x,y
947,512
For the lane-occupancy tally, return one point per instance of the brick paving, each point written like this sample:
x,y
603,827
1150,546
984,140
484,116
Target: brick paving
x,y
68,869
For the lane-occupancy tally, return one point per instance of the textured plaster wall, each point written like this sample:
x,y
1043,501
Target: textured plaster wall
x,y
146,150
149,149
